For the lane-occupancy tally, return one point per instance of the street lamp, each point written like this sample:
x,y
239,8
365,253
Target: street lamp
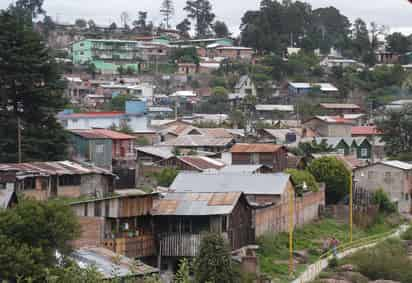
x,y
292,197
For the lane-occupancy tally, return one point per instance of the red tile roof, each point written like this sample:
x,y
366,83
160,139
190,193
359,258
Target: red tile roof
x,y
365,131
255,148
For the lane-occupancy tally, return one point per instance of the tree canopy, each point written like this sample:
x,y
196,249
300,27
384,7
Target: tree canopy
x,y
31,90
334,174
201,12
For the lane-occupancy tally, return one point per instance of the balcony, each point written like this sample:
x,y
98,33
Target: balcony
x,y
138,246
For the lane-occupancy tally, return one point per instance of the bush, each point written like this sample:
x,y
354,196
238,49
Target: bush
x,y
381,198
407,235
166,177
334,174
300,176
333,262
386,261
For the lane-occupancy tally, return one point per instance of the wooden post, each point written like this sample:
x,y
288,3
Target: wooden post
x,y
19,139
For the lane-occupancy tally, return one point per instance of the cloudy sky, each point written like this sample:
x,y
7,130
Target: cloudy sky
x,y
394,13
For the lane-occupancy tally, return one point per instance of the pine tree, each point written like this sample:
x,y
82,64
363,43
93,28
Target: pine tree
x,y
167,11
31,91
213,263
201,12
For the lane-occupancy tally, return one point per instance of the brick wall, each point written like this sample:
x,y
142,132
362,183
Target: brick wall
x,y
92,229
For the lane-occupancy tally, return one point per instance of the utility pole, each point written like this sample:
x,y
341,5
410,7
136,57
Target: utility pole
x,y
19,139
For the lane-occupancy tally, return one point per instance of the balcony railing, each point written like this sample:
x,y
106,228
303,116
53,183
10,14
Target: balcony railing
x,y
140,246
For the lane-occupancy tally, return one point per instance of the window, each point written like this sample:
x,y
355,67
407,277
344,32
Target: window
x,y
81,53
69,180
341,151
81,44
100,148
388,178
406,196
85,209
364,152
97,209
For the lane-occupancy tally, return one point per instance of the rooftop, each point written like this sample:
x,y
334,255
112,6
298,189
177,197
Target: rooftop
x,y
162,152
241,168
102,134
365,131
59,168
104,261
272,107
90,115
323,86
259,184
255,148
197,140
397,164
188,203
340,106
202,162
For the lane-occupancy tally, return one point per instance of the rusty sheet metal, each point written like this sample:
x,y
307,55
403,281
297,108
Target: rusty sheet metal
x,y
52,168
196,204
197,140
202,162
102,134
224,199
255,148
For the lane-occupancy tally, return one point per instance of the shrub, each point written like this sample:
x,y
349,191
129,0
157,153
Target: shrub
x,y
407,235
333,262
381,198
300,176
334,174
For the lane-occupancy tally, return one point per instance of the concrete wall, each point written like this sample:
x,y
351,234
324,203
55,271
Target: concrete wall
x,y
395,182
90,184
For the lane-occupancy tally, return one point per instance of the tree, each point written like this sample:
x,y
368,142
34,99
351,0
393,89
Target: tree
x,y
396,130
184,27
113,27
31,91
334,174
213,263
201,12
30,235
166,177
361,42
140,23
35,7
81,23
221,29
303,176
124,19
398,43
167,10
92,25
183,273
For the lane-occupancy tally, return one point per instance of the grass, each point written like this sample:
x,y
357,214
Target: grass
x,y
274,249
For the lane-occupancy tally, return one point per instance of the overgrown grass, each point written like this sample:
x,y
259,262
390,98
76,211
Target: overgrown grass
x,y
274,249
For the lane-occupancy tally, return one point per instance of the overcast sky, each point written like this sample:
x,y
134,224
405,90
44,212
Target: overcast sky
x,y
394,13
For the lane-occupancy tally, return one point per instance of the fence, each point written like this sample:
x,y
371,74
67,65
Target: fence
x,y
345,250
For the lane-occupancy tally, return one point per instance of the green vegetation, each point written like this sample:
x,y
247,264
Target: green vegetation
x,y
334,174
381,198
183,273
165,177
213,263
274,249
303,176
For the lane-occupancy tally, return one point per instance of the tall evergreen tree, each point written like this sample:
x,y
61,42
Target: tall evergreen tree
x,y
167,10
220,28
31,93
201,12
214,263
184,27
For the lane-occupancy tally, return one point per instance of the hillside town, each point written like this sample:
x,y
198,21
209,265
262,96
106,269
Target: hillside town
x,y
182,151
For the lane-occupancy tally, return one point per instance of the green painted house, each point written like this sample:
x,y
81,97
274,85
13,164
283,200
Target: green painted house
x,y
108,55
361,147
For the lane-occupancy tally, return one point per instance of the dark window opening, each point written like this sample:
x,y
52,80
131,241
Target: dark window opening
x,y
69,180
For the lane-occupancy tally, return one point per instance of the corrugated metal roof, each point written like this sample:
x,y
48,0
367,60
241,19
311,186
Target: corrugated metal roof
x,y
255,148
397,164
52,168
162,152
113,134
339,106
273,107
90,115
197,140
103,260
241,168
323,86
188,203
202,162
250,184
